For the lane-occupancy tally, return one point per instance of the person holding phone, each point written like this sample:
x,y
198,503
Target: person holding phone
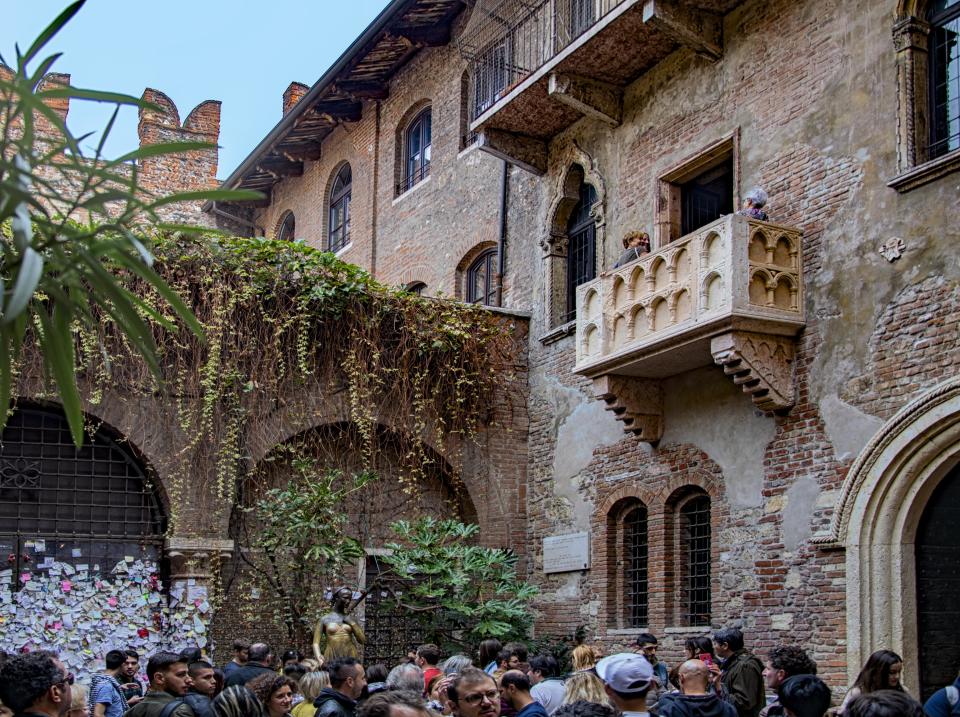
x,y
741,676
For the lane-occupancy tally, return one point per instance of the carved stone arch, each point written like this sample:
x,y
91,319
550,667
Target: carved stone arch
x,y
911,8
574,166
567,158
876,517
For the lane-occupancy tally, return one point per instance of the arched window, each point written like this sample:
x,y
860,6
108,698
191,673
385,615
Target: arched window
x,y
338,226
481,279
416,142
694,556
944,51
91,505
288,227
416,287
635,553
581,247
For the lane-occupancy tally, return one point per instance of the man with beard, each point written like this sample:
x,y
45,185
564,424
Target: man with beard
x,y
36,684
473,693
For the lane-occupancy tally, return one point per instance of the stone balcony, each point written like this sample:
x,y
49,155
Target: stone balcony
x,y
731,294
536,72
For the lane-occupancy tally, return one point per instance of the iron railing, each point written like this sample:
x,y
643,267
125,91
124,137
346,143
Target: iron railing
x,y
413,179
506,41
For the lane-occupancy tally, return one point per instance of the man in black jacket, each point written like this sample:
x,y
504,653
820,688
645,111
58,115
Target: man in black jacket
x,y
347,680
36,684
260,662
696,698
742,674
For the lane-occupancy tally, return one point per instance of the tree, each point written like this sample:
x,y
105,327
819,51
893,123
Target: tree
x,y
58,273
295,543
459,592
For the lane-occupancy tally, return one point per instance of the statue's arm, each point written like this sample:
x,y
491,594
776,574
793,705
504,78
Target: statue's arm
x,y
357,630
319,638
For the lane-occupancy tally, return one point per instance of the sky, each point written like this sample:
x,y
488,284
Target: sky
x,y
240,52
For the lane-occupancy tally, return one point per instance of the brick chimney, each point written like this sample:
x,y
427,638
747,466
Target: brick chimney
x,y
292,95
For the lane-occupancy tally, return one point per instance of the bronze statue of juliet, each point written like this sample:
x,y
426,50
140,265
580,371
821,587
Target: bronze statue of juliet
x,y
337,635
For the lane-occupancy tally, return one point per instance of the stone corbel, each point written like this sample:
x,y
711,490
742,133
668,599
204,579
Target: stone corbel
x,y
911,33
554,245
637,402
599,100
526,152
700,31
196,557
761,364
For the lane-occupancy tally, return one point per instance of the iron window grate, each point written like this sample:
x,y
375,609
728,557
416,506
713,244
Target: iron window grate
x,y
695,537
635,559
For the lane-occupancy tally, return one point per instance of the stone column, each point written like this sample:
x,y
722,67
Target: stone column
x,y
194,569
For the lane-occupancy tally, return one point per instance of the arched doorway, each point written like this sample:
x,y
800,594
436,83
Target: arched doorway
x,y
885,502
938,581
81,537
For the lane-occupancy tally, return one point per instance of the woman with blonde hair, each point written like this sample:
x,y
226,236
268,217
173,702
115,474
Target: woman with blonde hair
x,y
583,657
78,702
584,686
310,686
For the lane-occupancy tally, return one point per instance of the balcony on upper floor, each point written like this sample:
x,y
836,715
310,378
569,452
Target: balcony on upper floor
x,y
538,66
730,293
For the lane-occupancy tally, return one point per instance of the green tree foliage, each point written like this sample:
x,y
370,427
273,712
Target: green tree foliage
x,y
457,591
296,543
72,240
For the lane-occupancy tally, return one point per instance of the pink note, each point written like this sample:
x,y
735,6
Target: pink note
x,y
112,602
66,586
25,578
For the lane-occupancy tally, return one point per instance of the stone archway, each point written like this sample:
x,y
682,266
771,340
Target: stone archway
x,y
876,519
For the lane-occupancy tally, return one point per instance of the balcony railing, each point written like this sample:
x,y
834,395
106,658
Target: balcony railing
x,y
508,40
662,313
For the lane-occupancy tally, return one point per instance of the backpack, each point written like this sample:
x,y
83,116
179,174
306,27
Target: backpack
x,y
198,703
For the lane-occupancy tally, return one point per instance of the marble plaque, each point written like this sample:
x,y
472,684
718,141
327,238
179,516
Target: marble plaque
x,y
566,553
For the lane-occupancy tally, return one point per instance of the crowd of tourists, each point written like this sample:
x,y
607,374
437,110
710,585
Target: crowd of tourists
x,y
720,677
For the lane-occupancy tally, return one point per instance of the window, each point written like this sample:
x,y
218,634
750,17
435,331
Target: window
x,y
288,226
416,287
481,279
944,77
635,550
416,144
926,37
698,192
581,247
694,544
338,225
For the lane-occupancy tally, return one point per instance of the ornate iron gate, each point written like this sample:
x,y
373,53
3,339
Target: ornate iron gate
x,y
390,633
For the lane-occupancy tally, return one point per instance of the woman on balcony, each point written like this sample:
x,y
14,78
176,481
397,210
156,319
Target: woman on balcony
x,y
635,245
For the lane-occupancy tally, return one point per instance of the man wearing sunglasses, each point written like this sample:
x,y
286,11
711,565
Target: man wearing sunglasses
x,y
473,693
36,684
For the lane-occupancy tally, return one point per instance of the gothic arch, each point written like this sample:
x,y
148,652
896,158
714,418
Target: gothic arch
x,y
911,8
575,167
876,518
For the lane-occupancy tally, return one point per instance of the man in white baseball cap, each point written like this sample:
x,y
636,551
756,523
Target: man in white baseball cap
x,y
627,677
